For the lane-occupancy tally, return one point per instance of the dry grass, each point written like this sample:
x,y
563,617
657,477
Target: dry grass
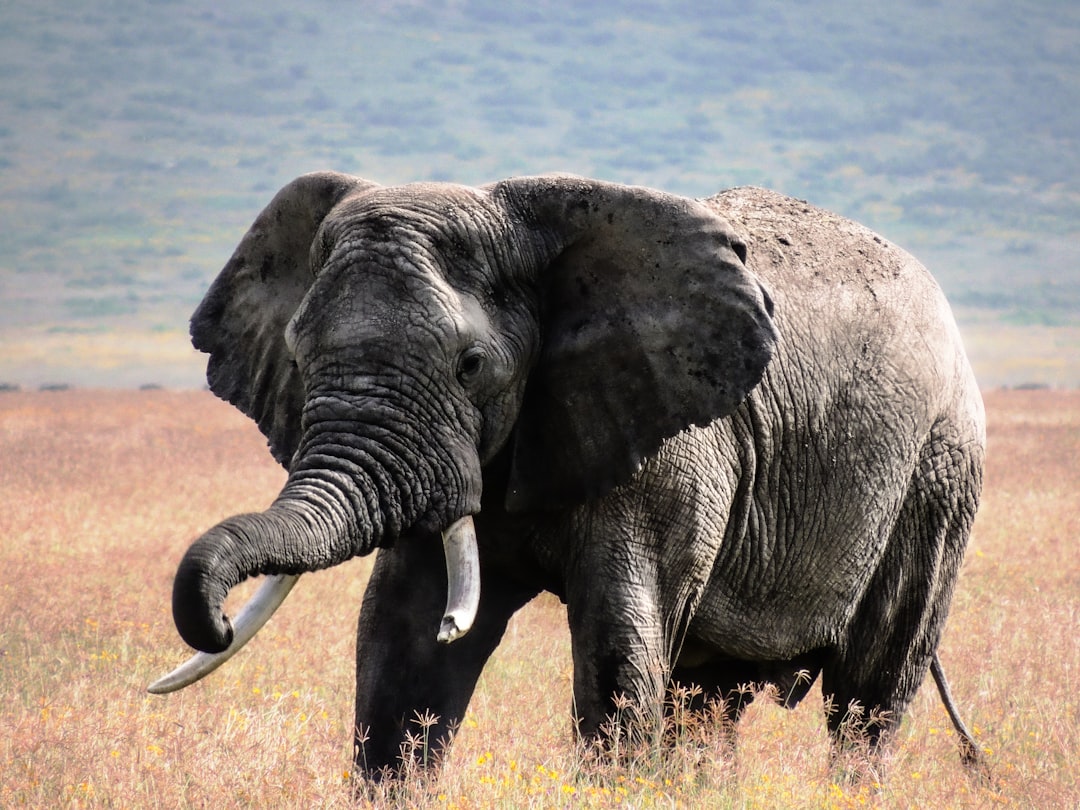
x,y
103,491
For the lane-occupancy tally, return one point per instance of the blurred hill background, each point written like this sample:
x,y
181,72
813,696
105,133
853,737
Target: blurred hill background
x,y
139,139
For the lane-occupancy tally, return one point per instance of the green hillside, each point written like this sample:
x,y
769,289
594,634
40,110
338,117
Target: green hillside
x,y
138,140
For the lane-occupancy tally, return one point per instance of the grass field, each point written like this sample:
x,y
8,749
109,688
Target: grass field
x,y
102,492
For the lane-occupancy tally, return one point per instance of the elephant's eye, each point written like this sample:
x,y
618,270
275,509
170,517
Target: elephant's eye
x,y
470,364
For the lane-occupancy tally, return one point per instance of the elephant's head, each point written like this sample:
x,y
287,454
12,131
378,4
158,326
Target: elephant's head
x,y
389,341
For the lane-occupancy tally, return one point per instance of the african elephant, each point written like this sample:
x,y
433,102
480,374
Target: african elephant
x,y
738,437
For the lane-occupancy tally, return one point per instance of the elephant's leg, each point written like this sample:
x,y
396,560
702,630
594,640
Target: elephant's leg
x,y
411,690
619,649
628,613
620,673
639,562
892,638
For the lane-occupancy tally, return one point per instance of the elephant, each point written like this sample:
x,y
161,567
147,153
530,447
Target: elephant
x,y
737,436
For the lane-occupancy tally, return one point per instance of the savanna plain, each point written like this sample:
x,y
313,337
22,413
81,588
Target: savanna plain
x,y
103,491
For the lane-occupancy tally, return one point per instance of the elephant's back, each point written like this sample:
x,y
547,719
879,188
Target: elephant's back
x,y
858,310
800,249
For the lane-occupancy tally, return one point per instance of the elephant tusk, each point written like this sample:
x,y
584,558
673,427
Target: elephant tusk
x,y
251,618
462,580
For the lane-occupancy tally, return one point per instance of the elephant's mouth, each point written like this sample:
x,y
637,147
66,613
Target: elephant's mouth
x,y
462,602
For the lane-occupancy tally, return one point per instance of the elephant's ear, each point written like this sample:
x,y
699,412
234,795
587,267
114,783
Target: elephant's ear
x,y
241,320
650,323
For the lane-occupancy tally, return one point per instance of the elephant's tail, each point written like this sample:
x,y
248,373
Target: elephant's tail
x,y
970,753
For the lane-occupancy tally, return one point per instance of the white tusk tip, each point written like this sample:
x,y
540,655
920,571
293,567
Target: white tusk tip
x,y
159,687
449,630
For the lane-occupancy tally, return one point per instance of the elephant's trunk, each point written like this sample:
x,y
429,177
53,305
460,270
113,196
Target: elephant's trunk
x,y
462,602
295,535
352,488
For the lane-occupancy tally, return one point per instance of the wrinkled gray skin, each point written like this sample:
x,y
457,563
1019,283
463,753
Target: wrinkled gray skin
x,y
738,437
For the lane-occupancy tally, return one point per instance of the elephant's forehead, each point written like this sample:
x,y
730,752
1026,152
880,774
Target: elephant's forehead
x,y
374,297
421,235
414,201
